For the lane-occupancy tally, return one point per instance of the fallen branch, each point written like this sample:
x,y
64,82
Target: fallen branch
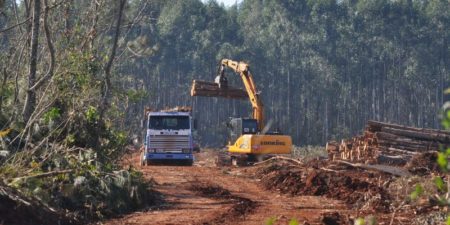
x,y
329,170
47,174
382,168
282,158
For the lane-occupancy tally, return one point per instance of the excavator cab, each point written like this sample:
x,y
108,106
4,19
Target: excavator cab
x,y
239,126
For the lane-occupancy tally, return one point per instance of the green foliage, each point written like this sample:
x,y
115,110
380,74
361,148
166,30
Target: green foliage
x,y
273,220
309,152
52,114
114,143
136,95
70,139
293,221
446,122
81,73
7,92
440,184
360,221
270,221
92,115
103,187
368,220
442,160
443,156
418,191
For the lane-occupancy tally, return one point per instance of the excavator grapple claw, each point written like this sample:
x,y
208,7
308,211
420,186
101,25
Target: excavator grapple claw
x,y
222,81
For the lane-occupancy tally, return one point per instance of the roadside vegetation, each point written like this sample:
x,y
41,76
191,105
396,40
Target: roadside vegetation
x,y
309,152
61,110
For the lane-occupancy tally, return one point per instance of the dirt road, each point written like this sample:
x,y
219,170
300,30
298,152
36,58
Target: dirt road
x,y
206,194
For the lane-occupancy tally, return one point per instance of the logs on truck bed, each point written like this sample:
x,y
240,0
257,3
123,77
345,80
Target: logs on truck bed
x,y
211,89
388,144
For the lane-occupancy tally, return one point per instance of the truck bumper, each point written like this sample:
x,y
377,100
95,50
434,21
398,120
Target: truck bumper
x,y
169,156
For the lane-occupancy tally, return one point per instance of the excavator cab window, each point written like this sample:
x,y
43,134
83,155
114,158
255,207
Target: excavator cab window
x,y
249,126
240,126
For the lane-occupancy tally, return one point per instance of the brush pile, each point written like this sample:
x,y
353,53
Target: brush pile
x,y
385,143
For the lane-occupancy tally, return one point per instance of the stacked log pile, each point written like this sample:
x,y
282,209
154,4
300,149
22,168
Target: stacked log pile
x,y
386,143
211,89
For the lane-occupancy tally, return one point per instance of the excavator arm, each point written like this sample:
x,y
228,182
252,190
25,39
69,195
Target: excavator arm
x,y
244,72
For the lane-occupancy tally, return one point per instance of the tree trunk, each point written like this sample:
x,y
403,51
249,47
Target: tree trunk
x,y
5,79
107,84
30,100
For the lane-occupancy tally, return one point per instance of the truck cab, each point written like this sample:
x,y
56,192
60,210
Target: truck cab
x,y
168,138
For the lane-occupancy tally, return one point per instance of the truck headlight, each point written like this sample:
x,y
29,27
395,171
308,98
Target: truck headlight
x,y
186,150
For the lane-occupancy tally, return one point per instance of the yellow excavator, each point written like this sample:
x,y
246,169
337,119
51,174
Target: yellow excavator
x,y
247,136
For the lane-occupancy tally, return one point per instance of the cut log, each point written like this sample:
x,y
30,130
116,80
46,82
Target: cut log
x,y
399,151
441,137
382,168
397,160
211,89
388,144
382,136
375,126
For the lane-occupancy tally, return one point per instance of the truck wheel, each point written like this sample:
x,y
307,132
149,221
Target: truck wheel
x,y
189,162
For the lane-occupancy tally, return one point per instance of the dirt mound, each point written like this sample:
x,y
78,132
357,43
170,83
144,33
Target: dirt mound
x,y
348,187
423,164
241,206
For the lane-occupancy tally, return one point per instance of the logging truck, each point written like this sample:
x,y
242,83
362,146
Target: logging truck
x,y
168,136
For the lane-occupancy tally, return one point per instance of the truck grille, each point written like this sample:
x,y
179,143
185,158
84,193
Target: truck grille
x,y
169,142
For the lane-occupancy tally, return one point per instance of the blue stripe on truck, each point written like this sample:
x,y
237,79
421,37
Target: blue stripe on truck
x,y
168,156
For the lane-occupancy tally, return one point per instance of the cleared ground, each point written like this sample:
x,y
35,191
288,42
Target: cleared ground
x,y
210,194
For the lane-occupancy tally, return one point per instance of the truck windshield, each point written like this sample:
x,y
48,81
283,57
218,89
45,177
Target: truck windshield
x,y
169,122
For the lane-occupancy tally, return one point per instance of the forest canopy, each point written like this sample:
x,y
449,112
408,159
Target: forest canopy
x,y
323,67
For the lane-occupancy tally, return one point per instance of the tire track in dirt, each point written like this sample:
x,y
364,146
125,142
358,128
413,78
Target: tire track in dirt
x,y
241,206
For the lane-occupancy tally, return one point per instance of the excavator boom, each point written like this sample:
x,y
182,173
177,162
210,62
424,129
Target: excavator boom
x,y
244,72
